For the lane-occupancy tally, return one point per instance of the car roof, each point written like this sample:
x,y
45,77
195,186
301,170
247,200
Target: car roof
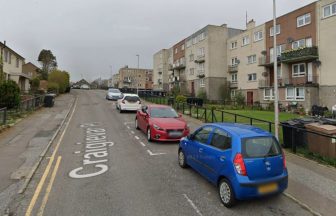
x,y
242,130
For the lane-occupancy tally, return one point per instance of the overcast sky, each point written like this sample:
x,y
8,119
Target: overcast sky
x,y
87,36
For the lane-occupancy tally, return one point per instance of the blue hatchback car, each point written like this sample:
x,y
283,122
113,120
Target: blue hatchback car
x,y
243,161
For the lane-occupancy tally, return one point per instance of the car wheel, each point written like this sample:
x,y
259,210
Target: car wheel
x,y
136,124
149,136
181,159
226,193
120,111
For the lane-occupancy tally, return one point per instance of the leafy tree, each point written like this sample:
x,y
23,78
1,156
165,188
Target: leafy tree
x,y
53,87
9,94
202,94
224,91
62,78
181,99
48,62
240,98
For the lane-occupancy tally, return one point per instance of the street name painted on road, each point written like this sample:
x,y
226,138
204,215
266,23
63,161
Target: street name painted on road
x,y
96,152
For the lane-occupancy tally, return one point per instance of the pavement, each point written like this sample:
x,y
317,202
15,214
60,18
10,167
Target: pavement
x,y
99,164
21,147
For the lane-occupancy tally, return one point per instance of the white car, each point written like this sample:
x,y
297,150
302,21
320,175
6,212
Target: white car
x,y
84,86
113,94
129,102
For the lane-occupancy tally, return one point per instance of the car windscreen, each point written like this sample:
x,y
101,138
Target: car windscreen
x,y
132,98
163,112
114,90
258,147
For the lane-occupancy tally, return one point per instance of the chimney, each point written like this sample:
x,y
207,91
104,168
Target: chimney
x,y
250,24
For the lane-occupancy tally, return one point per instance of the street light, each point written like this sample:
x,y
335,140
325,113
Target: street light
x,y
275,57
137,78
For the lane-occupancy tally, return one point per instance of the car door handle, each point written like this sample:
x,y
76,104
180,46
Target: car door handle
x,y
222,158
200,150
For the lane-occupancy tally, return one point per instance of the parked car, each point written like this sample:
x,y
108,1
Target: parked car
x,y
128,102
113,94
333,109
161,123
242,161
85,86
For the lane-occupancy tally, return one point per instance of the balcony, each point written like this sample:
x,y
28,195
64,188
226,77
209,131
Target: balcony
x,y
200,59
267,61
179,65
200,74
233,68
127,81
266,83
233,84
301,54
292,81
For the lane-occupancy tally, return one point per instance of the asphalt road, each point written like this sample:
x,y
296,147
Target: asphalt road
x,y
123,174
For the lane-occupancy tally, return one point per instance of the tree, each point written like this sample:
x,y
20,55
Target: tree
x,y
202,94
240,98
48,62
224,91
62,78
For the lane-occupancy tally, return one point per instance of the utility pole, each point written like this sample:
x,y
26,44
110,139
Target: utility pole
x,y
2,78
275,56
137,78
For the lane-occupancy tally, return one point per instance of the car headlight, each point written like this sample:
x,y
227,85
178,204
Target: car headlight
x,y
157,127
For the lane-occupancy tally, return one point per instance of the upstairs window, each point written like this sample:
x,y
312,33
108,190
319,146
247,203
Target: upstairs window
x,y
234,61
277,30
329,10
234,78
252,77
299,70
303,20
202,36
258,36
251,59
234,45
246,40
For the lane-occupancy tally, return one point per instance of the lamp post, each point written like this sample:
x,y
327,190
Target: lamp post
x,y
275,57
137,78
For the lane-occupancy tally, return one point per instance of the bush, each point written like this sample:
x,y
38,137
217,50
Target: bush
x,y
181,99
53,87
175,91
202,94
240,98
9,94
35,84
61,78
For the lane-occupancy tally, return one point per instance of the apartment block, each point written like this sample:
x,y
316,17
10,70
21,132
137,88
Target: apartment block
x,y
12,67
244,50
177,76
133,78
326,33
206,60
160,70
297,54
115,80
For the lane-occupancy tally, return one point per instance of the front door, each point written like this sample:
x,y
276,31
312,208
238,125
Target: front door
x,y
249,98
192,88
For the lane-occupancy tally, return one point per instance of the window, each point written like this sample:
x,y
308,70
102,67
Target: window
x,y
295,93
201,51
280,49
233,93
201,66
221,140
269,94
191,71
175,50
234,77
17,62
191,57
258,36
201,82
10,58
234,45
303,20
252,77
279,72
277,30
329,10
182,47
260,147
202,36
246,40
189,43
202,135
251,59
298,70
234,61
302,43
6,55
194,40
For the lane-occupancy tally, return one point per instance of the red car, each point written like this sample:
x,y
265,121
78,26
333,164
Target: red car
x,y
161,123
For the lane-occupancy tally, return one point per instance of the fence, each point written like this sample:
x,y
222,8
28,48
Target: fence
x,y
24,106
294,137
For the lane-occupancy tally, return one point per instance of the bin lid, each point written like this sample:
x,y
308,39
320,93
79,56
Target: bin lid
x,y
322,128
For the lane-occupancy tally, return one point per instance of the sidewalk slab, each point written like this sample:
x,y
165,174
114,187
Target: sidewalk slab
x,y
21,146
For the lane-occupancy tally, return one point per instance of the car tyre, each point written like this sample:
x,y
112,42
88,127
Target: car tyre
x,y
136,124
182,159
120,111
226,193
149,134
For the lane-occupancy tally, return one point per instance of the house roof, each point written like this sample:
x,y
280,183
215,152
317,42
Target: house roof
x,y
7,47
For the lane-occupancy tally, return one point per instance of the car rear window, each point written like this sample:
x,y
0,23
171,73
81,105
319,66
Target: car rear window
x,y
114,90
132,98
257,147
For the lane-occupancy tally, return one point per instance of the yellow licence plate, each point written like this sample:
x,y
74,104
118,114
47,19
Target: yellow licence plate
x,y
268,188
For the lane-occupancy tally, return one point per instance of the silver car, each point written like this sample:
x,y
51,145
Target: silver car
x,y
113,94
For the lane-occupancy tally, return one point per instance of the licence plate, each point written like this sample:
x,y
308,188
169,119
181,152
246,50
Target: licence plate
x,y
268,188
175,134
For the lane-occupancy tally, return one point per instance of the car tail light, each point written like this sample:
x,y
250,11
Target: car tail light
x,y
239,164
123,101
284,160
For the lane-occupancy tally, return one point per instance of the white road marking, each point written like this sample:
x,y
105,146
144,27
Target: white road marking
x,y
154,154
126,123
192,205
143,144
128,127
136,137
77,152
78,143
132,132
